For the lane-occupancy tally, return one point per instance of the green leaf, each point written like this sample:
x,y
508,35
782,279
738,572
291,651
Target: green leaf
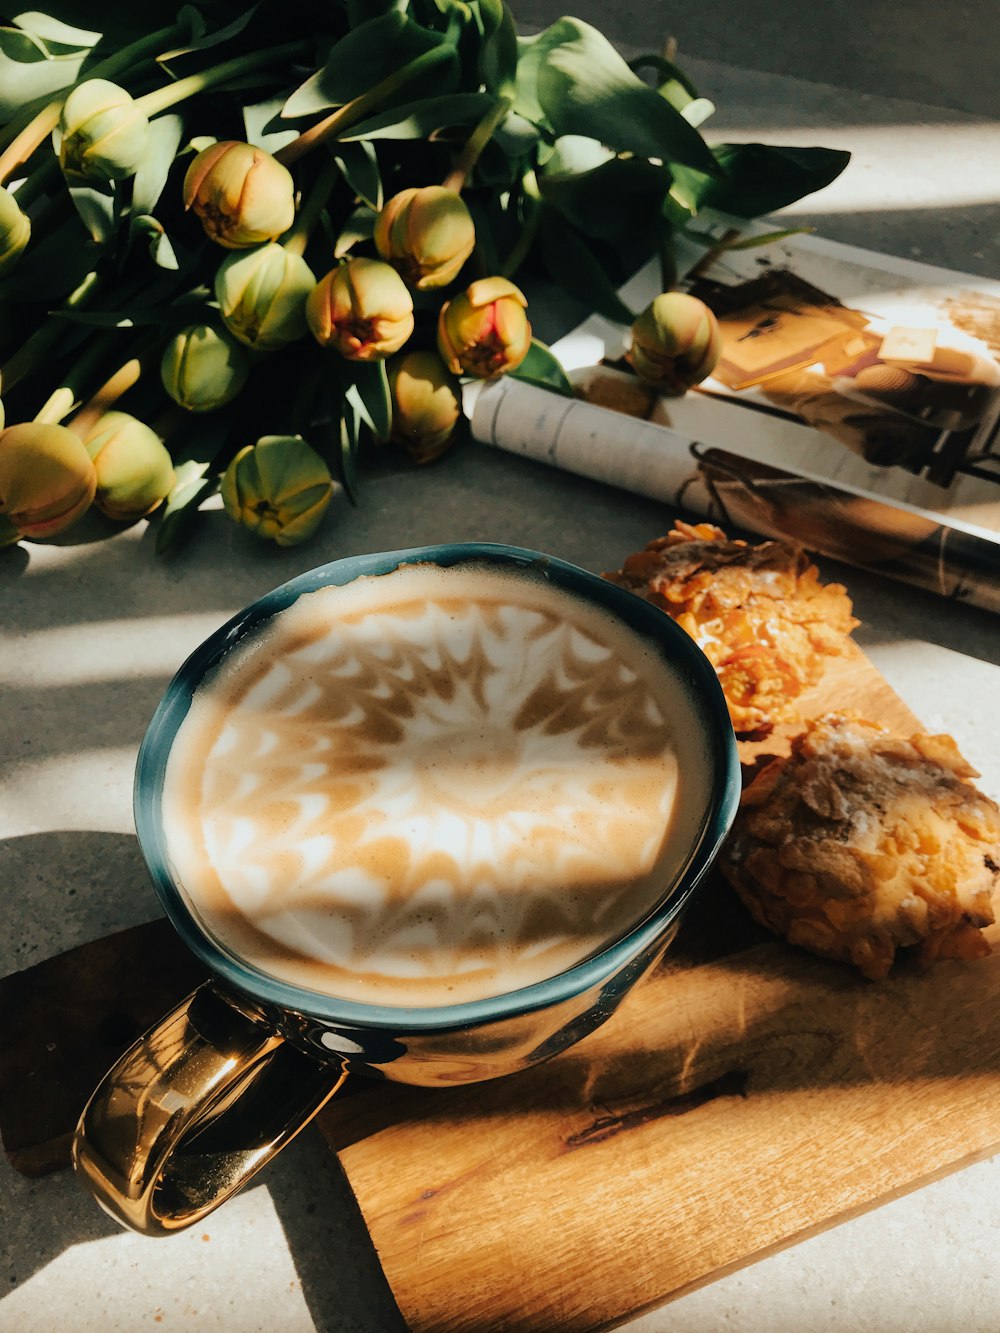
x,y
356,229
150,229
28,71
575,267
583,86
760,178
149,180
498,58
98,319
96,207
372,52
418,120
531,54
360,168
350,438
49,29
263,125
52,265
370,395
768,238
674,85
542,368
192,486
613,201
202,38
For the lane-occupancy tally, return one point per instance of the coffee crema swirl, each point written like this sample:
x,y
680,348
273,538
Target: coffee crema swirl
x,y
433,786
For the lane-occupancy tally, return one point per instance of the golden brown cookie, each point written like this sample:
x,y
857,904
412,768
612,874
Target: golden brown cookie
x,y
861,843
759,613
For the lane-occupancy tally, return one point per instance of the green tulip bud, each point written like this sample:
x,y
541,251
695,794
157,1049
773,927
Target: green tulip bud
x,y
279,488
262,296
203,368
242,194
361,308
426,404
15,229
676,343
103,134
426,235
484,331
134,471
46,479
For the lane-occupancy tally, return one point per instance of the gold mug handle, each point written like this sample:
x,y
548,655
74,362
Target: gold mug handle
x,y
194,1109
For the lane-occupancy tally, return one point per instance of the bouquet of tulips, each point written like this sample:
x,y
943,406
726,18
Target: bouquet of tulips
x,y
240,250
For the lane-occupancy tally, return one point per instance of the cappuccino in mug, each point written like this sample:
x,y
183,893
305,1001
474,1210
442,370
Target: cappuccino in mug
x,y
434,786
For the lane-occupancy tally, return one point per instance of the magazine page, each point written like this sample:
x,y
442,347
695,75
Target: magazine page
x,y
855,408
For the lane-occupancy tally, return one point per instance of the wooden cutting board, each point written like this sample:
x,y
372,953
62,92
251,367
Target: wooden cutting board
x,y
744,1096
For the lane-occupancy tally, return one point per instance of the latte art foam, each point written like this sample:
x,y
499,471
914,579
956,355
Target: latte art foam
x,y
433,786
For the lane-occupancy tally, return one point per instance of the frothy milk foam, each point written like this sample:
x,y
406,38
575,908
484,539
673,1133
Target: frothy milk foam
x,y
433,786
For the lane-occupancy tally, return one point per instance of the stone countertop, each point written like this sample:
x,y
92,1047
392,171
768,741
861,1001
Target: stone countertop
x,y
92,629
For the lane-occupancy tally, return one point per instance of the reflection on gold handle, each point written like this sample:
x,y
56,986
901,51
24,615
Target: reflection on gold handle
x,y
192,1111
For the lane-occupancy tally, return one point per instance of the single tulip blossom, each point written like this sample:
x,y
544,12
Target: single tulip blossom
x,y
103,133
242,195
278,488
262,296
47,479
362,309
426,404
484,331
203,368
134,470
676,343
426,235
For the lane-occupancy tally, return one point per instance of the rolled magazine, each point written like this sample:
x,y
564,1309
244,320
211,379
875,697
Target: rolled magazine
x,y
855,409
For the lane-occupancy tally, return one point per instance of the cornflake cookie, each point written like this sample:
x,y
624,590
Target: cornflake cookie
x,y
862,842
758,612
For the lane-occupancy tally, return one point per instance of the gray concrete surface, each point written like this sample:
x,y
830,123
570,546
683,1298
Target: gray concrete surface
x,y
92,629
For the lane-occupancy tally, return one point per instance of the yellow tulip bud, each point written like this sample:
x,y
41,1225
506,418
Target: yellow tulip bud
x,y
676,343
426,235
484,331
47,480
278,488
242,194
361,308
262,296
134,470
426,404
103,133
203,368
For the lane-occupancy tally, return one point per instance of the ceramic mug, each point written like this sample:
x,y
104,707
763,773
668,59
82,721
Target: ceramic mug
x,y
207,1097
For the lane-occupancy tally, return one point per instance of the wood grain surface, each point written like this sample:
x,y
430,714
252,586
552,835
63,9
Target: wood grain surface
x,y
743,1097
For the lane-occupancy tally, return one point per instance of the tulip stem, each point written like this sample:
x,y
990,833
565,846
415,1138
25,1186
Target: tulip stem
x,y
308,215
474,145
41,125
713,252
47,173
529,227
170,94
62,400
31,352
104,398
351,112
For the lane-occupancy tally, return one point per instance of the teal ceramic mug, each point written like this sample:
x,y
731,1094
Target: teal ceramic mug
x,y
203,1100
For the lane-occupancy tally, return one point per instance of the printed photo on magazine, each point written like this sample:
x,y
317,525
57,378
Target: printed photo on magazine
x,y
855,407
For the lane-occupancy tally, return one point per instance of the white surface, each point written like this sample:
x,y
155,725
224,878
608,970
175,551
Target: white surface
x,y
92,632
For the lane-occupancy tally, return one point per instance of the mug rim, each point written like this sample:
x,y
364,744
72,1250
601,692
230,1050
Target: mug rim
x,y
648,620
